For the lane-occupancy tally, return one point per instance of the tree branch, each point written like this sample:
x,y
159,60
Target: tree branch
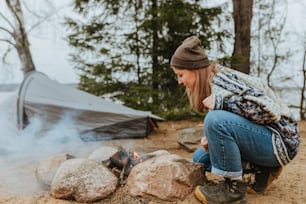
x,y
43,20
7,41
6,54
275,39
6,20
49,5
15,12
6,30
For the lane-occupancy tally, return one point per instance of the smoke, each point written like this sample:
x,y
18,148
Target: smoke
x,y
20,151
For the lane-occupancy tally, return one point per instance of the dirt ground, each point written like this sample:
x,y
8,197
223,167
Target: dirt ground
x,y
289,188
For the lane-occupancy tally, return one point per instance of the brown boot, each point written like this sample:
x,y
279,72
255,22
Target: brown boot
x,y
225,192
263,179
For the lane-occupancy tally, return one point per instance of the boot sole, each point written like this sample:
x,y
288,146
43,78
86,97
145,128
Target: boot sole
x,y
271,178
199,195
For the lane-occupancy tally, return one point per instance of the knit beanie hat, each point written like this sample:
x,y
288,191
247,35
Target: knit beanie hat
x,y
189,55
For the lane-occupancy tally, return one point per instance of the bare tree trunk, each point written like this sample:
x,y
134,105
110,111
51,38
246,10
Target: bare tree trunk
x,y
274,33
303,98
258,40
137,7
243,11
154,49
20,36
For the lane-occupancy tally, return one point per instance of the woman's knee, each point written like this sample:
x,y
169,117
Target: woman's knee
x,y
213,119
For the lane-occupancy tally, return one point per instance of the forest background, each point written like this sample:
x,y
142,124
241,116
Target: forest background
x,y
121,49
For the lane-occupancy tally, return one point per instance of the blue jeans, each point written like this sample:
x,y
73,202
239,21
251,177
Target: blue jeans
x,y
231,139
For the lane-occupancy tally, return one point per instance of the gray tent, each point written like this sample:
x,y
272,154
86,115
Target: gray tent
x,y
49,100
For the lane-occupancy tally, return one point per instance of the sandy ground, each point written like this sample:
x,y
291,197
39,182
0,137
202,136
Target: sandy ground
x,y
18,185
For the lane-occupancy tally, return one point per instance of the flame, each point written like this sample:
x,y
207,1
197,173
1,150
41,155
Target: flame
x,y
136,155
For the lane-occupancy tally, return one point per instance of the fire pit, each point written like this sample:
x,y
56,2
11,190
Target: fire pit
x,y
122,162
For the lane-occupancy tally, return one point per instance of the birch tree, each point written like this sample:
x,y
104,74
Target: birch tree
x,y
18,38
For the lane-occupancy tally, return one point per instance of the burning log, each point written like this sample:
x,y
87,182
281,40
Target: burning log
x,y
122,162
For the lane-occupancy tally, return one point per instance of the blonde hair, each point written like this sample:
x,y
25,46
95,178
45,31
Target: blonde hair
x,y
202,88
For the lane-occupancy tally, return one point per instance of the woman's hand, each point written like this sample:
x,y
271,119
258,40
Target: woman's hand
x,y
209,102
204,143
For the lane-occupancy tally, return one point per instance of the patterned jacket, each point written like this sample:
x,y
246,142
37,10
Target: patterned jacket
x,y
251,98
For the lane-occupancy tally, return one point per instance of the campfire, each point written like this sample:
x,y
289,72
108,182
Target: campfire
x,y
122,162
170,176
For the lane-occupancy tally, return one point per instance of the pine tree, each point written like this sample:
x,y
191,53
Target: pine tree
x,y
123,49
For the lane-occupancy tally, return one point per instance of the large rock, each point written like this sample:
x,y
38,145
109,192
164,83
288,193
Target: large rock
x,y
167,177
103,153
157,153
85,180
46,169
190,138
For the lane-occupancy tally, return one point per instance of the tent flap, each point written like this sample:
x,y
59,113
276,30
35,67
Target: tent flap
x,y
138,128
